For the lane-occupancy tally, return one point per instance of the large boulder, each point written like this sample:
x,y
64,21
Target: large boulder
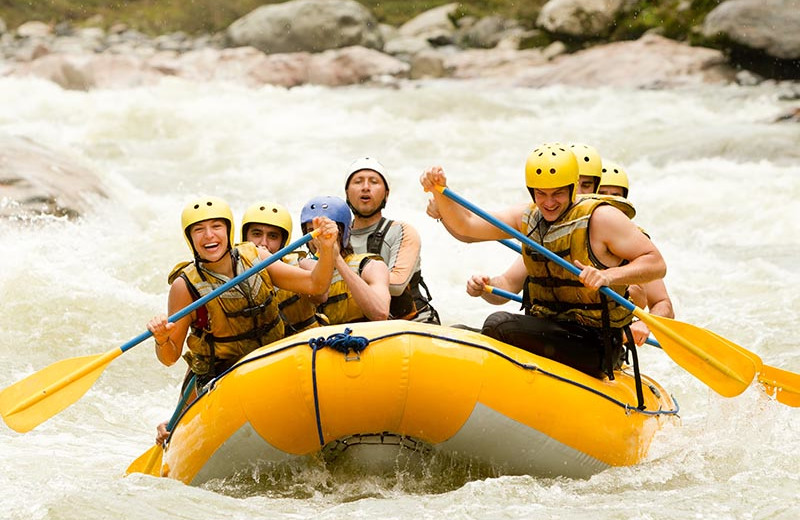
x,y
771,26
652,61
37,180
244,65
306,26
582,19
88,71
353,65
435,25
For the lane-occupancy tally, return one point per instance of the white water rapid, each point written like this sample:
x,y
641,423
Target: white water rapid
x,y
715,182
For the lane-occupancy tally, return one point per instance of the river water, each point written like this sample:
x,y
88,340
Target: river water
x,y
716,184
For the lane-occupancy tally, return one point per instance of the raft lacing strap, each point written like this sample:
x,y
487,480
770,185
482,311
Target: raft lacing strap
x,y
342,342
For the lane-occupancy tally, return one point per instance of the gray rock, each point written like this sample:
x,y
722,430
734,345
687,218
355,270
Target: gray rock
x,y
579,18
652,61
428,64
433,23
33,29
37,180
306,25
486,32
405,47
771,26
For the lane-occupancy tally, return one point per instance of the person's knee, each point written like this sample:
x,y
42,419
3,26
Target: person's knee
x,y
493,325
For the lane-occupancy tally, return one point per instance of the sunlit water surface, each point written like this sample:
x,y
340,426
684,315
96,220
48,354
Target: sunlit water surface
x,y
716,184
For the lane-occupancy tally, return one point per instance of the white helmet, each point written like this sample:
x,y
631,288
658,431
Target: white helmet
x,y
366,163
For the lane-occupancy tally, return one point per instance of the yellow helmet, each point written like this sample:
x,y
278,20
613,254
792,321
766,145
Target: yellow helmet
x,y
205,208
271,214
589,161
614,175
552,166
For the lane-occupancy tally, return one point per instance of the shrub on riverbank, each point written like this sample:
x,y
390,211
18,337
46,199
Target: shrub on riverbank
x,y
675,18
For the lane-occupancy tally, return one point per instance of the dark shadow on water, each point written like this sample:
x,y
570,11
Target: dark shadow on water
x,y
343,481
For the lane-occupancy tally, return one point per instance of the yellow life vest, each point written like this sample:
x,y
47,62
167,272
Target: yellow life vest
x,y
553,292
297,312
239,320
621,203
341,307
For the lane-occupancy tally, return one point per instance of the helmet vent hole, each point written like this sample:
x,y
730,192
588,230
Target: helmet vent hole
x,y
553,171
209,203
274,210
197,206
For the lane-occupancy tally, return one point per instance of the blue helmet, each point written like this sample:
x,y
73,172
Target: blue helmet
x,y
332,207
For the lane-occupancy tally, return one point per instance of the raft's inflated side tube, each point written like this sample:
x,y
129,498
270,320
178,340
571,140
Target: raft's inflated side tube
x,y
450,389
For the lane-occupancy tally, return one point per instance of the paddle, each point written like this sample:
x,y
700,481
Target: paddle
x,y
511,245
781,384
149,462
31,401
727,370
784,386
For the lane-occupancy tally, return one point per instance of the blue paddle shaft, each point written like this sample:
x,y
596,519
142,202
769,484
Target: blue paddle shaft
x,y
508,295
530,243
511,245
224,287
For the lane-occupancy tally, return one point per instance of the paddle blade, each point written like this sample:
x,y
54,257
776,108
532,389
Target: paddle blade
x,y
782,384
148,462
707,356
31,401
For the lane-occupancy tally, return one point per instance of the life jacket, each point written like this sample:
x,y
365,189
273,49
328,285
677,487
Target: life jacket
x,y
621,203
553,292
340,306
234,323
298,313
408,304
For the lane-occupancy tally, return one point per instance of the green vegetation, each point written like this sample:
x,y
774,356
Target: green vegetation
x,y
673,18
208,16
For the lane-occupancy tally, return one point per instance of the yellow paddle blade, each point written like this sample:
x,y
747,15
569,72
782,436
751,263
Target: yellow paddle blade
x,y
31,401
148,462
705,355
782,384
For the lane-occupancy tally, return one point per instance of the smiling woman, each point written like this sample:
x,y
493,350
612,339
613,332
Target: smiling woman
x,y
241,319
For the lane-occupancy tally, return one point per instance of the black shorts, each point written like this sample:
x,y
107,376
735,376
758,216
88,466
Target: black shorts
x,y
569,343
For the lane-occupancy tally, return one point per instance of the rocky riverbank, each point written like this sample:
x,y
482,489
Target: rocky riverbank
x,y
339,42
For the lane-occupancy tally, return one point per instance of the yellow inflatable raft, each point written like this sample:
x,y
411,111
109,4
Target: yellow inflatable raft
x,y
398,385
